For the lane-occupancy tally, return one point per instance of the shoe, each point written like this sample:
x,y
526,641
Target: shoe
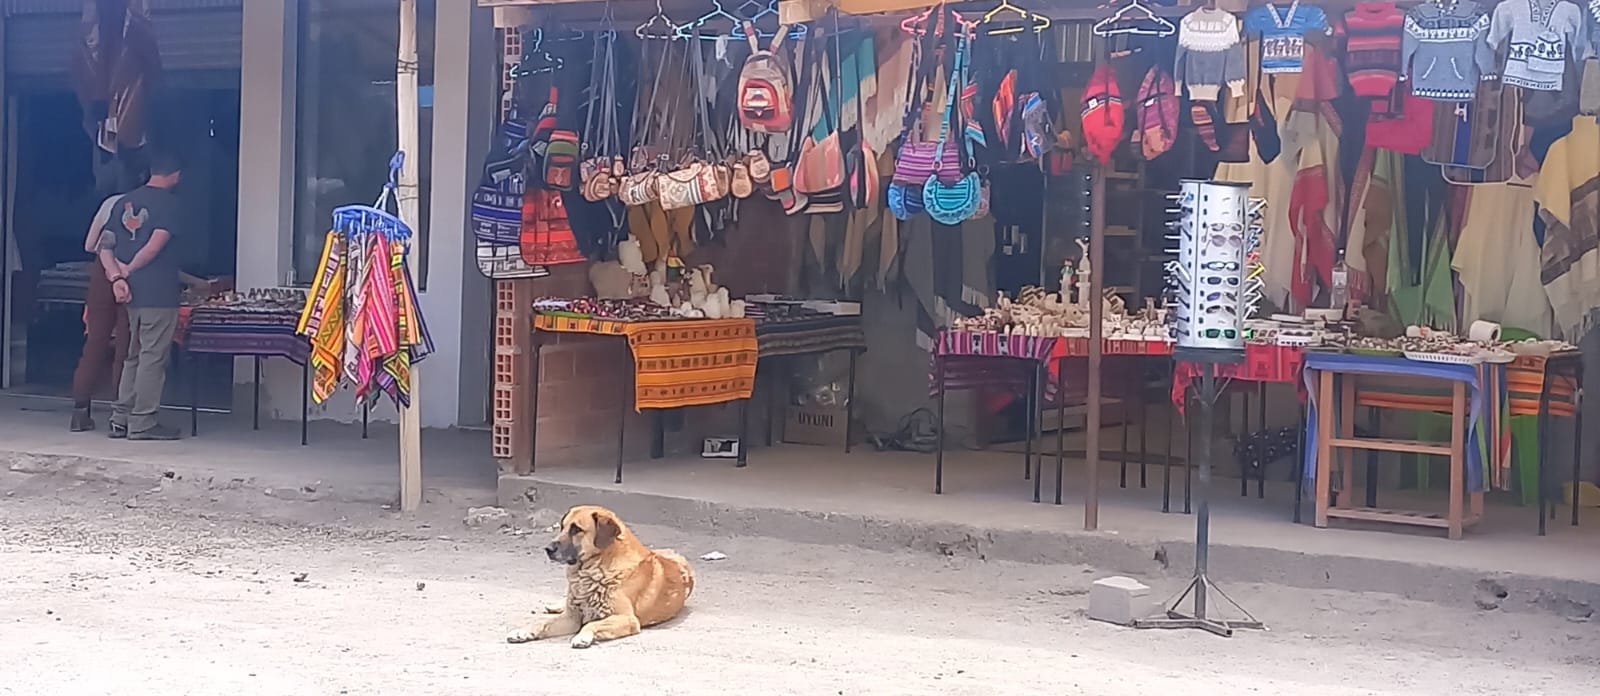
x,y
82,422
157,432
118,432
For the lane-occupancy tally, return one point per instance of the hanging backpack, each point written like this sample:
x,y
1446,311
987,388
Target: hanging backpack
x,y
766,97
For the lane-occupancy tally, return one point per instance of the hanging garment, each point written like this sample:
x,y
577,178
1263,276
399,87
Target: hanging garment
x,y
1102,115
1373,31
322,319
1282,32
1408,132
1316,181
1568,195
116,64
1157,125
1497,260
1444,52
1538,38
1210,55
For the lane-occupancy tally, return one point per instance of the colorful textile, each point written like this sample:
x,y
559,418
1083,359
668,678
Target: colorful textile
x,y
1157,126
970,360
323,322
232,332
1262,363
1372,55
1538,38
1102,116
1444,52
678,363
1409,132
1568,195
547,238
1210,55
1283,33
809,335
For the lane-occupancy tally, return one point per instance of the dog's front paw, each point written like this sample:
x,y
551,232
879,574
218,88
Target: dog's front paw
x,y
521,635
582,640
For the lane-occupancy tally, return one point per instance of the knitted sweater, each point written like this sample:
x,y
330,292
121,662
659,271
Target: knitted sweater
x,y
1373,54
1210,54
1539,38
1283,33
1444,52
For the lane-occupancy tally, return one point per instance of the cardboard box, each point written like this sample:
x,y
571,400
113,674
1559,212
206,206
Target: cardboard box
x,y
815,425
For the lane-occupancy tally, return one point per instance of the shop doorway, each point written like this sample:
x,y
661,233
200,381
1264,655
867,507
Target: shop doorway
x,y
52,195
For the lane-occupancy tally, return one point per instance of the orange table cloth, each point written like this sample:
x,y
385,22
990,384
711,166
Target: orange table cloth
x,y
690,362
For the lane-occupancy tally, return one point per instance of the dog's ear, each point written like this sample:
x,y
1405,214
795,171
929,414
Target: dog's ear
x,y
605,530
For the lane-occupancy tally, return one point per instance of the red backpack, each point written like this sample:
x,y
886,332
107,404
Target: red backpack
x,y
766,99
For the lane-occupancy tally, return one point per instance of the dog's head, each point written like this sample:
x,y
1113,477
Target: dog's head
x,y
585,532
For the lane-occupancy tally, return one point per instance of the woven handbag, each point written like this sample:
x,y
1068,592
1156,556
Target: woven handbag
x,y
949,204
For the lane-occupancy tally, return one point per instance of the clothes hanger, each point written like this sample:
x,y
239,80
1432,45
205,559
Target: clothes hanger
x,y
536,60
1128,19
695,28
1039,22
659,26
917,24
758,10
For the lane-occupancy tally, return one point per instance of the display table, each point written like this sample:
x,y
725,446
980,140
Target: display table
x,y
1335,380
968,360
256,334
692,362
779,338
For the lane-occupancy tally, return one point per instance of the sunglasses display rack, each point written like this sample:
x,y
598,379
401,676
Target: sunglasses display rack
x,y
1211,287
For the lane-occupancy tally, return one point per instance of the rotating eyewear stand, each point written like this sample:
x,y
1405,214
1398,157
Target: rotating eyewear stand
x,y
1201,587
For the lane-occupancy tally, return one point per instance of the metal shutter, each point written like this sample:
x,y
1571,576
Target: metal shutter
x,y
205,38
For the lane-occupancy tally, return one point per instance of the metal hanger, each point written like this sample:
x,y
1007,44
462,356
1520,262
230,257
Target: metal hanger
x,y
917,24
536,60
1127,21
758,10
1039,22
659,26
695,28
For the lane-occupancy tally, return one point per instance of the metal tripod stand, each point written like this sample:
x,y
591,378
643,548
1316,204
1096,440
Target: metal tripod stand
x,y
1200,587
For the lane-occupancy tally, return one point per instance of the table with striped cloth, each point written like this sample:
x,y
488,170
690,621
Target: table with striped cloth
x,y
248,333
690,362
1006,361
809,335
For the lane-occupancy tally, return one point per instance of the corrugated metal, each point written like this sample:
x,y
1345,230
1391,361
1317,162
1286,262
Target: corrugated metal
x,y
27,7
42,44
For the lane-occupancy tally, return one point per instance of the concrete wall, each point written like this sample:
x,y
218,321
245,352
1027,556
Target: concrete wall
x,y
454,381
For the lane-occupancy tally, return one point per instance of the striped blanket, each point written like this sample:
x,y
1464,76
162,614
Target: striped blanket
x,y
678,363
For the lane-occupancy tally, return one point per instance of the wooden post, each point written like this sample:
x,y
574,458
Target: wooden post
x,y
1097,309
1325,435
406,195
1458,463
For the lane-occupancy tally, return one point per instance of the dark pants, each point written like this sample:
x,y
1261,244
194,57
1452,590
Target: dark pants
x,y
106,337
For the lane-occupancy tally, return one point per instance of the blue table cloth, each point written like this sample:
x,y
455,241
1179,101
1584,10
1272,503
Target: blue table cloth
x,y
1366,365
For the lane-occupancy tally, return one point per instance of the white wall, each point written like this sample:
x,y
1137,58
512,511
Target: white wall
x,y
457,303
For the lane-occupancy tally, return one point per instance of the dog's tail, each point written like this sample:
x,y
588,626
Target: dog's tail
x,y
683,567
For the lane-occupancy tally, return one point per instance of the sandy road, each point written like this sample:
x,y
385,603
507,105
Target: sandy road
x,y
104,596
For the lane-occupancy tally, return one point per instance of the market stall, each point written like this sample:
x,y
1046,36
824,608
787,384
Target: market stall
x,y
951,161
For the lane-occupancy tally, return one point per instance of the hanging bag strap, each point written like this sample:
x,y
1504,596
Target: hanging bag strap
x,y
953,93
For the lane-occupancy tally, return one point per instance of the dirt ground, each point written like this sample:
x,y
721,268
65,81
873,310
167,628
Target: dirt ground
x,y
178,590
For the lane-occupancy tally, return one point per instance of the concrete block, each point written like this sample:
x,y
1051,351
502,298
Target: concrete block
x,y
1119,600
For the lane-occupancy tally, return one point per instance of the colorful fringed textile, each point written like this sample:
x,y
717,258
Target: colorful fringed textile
x,y
322,319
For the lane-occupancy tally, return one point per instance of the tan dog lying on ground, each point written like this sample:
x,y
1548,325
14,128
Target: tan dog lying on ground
x,y
615,585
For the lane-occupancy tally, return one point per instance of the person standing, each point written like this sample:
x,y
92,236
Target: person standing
x,y
105,324
140,260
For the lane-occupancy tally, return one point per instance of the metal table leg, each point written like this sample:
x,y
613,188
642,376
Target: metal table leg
x,y
622,422
744,432
938,448
193,361
849,405
1543,476
1031,413
255,399
533,404
1300,464
1261,413
305,399
1577,436
1061,428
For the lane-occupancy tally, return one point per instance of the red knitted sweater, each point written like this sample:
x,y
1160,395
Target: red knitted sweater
x,y
1373,53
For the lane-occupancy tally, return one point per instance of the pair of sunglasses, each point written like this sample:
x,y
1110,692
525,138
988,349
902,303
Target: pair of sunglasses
x,y
1229,334
1221,226
1220,265
1218,280
1215,296
1220,240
